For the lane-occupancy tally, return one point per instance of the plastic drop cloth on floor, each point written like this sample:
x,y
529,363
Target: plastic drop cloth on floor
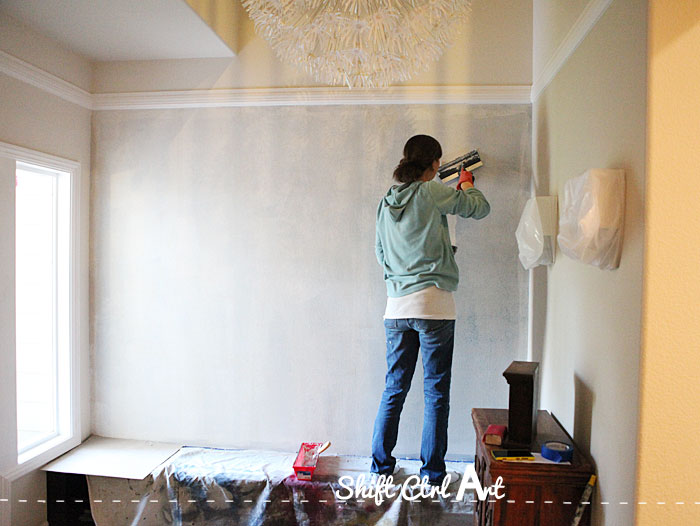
x,y
217,487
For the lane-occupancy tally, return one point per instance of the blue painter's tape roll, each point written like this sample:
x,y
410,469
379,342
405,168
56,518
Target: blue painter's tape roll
x,y
557,451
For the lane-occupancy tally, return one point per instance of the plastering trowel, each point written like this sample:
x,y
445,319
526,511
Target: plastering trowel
x,y
450,171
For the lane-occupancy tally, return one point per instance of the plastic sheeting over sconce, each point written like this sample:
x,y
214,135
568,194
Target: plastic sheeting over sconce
x,y
592,218
536,232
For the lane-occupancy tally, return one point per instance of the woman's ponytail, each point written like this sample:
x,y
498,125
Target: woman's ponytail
x,y
408,171
418,155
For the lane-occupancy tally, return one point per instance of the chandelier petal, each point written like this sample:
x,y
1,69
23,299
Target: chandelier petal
x,y
359,43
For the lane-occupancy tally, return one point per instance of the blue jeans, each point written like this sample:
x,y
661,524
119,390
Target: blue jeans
x,y
403,339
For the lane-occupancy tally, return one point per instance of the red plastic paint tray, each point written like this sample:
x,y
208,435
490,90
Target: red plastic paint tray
x,y
306,460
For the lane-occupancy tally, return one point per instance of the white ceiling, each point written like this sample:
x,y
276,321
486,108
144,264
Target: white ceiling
x,y
106,30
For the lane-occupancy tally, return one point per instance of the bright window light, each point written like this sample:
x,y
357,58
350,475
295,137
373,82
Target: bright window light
x,y
43,306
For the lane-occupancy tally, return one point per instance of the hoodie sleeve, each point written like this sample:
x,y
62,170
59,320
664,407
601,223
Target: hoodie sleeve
x,y
469,202
378,249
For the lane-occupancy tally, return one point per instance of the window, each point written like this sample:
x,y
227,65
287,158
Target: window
x,y
42,297
41,311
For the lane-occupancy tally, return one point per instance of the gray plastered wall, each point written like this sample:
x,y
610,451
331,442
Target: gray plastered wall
x,y
236,297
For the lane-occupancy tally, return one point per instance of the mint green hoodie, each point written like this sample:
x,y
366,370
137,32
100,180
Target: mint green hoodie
x,y
413,243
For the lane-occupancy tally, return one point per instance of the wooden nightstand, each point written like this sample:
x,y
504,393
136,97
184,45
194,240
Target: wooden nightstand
x,y
539,494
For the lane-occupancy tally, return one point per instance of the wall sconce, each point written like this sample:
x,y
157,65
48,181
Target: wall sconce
x,y
592,218
537,231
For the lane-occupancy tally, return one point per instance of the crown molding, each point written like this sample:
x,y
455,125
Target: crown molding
x,y
217,98
313,96
588,18
37,77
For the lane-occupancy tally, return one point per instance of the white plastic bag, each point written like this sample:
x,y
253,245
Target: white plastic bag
x,y
535,232
592,218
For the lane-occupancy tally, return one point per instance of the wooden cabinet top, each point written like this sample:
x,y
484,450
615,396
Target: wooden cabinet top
x,y
548,428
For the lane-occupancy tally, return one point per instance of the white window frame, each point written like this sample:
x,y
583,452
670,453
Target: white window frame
x,y
10,465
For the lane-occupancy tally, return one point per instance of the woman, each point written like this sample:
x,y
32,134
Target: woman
x,y
413,246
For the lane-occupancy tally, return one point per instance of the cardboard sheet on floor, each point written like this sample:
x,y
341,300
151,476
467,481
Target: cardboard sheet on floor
x,y
113,457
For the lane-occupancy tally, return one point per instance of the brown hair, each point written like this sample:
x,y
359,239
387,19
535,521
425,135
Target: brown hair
x,y
418,155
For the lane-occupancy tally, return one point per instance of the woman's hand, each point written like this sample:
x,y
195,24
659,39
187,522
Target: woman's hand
x,y
466,180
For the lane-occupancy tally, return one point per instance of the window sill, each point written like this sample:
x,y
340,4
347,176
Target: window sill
x,y
38,456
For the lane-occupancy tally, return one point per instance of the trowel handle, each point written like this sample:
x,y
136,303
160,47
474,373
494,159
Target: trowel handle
x,y
323,447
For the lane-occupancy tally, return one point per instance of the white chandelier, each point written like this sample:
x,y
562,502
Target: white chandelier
x,y
360,43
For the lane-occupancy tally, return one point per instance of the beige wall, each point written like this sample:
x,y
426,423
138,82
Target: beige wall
x,y
34,119
229,21
587,321
493,48
551,22
670,398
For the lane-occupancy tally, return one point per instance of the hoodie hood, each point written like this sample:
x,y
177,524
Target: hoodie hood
x,y
398,197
